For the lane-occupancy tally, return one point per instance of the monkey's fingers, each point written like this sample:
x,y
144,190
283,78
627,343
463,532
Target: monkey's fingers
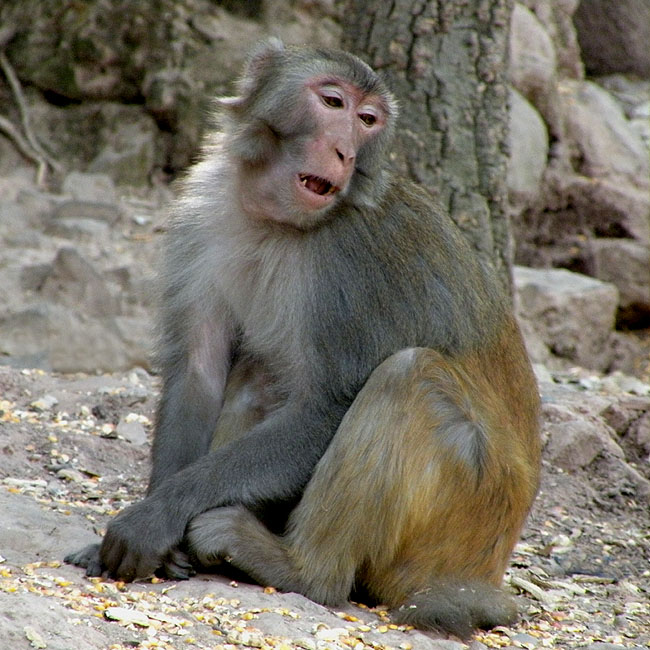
x,y
87,558
135,567
177,566
124,564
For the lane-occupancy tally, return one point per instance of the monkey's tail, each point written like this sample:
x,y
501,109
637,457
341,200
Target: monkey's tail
x,y
457,607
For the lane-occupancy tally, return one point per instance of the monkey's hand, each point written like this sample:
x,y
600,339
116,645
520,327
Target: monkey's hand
x,y
143,539
87,558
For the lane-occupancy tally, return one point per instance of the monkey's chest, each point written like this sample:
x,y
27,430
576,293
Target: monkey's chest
x,y
266,295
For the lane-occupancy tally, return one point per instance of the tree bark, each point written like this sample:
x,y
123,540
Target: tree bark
x,y
445,60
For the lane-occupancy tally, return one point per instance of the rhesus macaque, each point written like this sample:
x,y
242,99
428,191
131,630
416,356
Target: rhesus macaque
x,y
347,405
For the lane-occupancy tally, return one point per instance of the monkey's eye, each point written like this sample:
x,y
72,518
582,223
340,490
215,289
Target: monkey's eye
x,y
333,101
368,118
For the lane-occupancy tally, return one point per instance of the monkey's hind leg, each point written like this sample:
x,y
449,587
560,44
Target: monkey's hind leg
x,y
419,500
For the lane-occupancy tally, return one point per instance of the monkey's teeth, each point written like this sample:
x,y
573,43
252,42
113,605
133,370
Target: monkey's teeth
x,y
317,185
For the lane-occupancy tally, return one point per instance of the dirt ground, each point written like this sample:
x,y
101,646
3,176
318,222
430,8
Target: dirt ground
x,y
75,451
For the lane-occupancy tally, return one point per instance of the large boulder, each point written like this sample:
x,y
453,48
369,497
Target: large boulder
x,y
557,18
603,143
532,60
571,314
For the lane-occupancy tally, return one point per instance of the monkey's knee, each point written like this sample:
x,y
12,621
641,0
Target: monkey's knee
x,y
390,383
403,363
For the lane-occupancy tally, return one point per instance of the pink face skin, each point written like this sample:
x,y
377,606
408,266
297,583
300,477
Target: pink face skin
x,y
294,192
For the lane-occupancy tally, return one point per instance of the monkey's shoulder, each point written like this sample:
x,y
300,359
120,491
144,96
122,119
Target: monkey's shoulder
x,y
416,229
419,212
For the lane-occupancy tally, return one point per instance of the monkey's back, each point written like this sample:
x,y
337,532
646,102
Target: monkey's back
x,y
397,275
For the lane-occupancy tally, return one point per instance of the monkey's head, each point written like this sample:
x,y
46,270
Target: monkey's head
x,y
308,130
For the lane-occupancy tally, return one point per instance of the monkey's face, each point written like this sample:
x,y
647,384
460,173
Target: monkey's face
x,y
344,120
309,166
308,129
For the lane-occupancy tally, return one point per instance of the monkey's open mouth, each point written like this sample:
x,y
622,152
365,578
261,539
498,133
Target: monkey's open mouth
x,y
317,185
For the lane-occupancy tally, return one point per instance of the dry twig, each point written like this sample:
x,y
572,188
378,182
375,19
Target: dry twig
x,y
28,144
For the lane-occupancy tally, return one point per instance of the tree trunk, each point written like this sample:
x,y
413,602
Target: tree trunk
x,y
446,62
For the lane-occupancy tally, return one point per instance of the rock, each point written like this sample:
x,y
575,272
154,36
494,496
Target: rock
x,y
603,143
127,616
79,230
574,444
641,432
25,484
632,93
72,475
91,188
537,350
45,403
608,208
571,313
130,160
131,430
34,638
33,276
619,382
532,62
173,98
614,36
572,440
626,264
557,18
108,213
73,281
58,337
528,141
101,138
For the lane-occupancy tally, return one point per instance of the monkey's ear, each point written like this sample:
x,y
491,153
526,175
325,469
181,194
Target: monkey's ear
x,y
260,60
263,53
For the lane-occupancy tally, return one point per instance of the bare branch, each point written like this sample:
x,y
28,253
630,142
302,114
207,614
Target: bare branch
x,y
15,86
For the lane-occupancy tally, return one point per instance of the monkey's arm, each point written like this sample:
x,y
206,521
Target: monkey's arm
x,y
195,369
273,461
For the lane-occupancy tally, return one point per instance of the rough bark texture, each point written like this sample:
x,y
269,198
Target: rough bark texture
x,y
446,62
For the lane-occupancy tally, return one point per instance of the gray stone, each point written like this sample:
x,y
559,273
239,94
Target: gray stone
x,y
131,430
79,229
73,281
632,93
528,140
129,162
58,337
610,208
108,213
93,188
532,61
101,138
557,18
626,264
604,143
575,443
572,314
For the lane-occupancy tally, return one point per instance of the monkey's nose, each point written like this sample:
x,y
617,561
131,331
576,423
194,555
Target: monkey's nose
x,y
346,160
